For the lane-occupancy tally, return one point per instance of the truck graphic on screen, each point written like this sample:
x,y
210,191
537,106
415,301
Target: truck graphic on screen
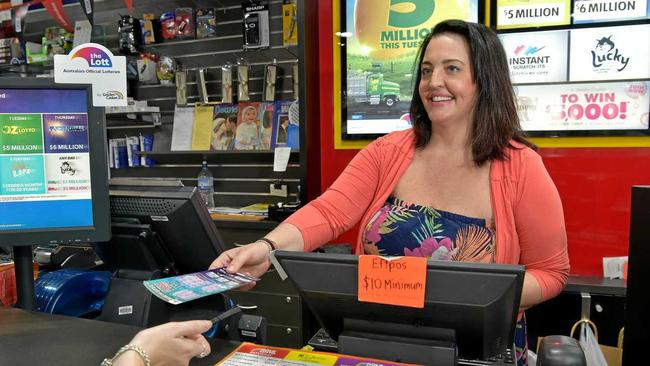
x,y
371,88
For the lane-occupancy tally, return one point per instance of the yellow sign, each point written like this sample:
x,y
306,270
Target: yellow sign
x,y
311,358
388,29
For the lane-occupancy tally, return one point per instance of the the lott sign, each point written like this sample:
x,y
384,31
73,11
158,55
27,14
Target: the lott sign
x,y
92,63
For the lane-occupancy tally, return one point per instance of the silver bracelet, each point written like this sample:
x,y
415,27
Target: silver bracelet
x,y
268,245
129,347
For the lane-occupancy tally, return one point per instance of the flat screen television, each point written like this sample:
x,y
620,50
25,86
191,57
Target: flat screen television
x,y
471,305
53,170
379,40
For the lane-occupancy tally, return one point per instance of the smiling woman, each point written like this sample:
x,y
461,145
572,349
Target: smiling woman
x,y
463,185
495,121
447,88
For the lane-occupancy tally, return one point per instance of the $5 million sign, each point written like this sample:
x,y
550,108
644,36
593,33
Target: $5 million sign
x,y
394,281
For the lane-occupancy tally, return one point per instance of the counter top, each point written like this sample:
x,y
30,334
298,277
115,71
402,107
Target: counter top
x,y
32,338
596,285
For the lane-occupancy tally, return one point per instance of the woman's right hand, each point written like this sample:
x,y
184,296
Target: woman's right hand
x,y
252,259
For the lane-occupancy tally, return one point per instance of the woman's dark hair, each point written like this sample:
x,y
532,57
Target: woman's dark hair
x,y
495,120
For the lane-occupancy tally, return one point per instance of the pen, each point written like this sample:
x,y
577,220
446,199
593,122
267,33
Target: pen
x,y
226,314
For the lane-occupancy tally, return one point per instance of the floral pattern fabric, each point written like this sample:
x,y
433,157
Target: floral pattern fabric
x,y
400,228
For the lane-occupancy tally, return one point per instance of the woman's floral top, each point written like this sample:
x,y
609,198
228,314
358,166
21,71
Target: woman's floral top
x,y
405,229
400,228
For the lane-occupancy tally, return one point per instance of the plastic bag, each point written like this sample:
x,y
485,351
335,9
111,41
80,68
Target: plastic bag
x,y
590,346
532,358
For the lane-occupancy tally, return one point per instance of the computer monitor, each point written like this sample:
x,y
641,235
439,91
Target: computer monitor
x,y
177,216
472,305
53,170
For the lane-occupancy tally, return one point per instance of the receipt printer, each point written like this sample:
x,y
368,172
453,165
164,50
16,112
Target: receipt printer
x,y
252,328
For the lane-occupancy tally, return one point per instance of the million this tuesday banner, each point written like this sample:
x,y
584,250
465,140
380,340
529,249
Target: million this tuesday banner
x,y
383,37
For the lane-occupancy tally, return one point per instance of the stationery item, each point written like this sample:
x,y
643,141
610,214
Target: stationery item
x,y
111,153
289,24
129,35
267,111
226,84
146,144
133,150
120,155
280,127
201,131
270,74
182,129
206,23
98,34
16,51
242,83
181,87
256,209
247,134
168,25
256,24
146,64
295,78
185,22
82,31
180,289
165,69
148,34
293,131
200,85
224,126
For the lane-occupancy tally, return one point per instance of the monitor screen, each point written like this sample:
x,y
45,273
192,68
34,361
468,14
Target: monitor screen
x,y
177,216
53,167
478,302
379,40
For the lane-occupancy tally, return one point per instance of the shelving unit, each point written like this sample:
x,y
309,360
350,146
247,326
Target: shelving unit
x,y
121,120
25,70
240,177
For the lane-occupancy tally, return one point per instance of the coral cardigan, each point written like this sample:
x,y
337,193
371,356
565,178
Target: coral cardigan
x,y
526,206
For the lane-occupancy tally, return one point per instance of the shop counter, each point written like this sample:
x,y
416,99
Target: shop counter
x,y
32,338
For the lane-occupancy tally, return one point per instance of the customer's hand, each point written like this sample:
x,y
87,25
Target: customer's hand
x,y
252,259
169,344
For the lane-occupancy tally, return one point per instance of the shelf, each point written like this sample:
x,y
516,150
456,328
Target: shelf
x,y
238,224
115,117
596,285
30,69
131,127
132,110
189,41
210,152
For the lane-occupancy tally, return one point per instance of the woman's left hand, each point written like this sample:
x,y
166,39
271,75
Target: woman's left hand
x,y
170,343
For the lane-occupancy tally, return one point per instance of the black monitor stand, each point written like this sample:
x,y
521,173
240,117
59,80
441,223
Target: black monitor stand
x,y
23,263
389,341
